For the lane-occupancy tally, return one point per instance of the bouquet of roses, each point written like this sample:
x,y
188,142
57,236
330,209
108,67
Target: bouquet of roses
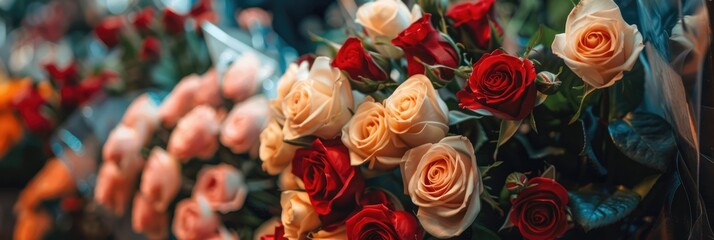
x,y
426,113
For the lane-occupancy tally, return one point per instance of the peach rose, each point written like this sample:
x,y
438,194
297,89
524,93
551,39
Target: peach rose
x,y
338,233
180,101
598,45
383,20
142,115
368,137
288,181
241,79
275,154
416,113
266,228
442,179
291,75
196,134
241,129
114,188
298,216
210,93
319,105
194,219
123,148
161,179
148,220
223,187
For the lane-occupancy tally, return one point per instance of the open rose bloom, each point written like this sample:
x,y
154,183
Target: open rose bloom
x,y
478,119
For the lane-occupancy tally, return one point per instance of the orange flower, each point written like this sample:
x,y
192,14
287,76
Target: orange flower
x,y
10,126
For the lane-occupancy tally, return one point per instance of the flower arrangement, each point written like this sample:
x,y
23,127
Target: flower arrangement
x,y
433,121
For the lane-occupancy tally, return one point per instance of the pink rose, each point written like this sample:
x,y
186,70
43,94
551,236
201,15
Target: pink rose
x,y
223,187
148,220
161,179
180,101
142,115
210,93
123,148
114,188
194,219
241,79
241,129
196,134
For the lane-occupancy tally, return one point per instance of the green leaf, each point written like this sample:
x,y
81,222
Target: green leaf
x,y
644,187
456,117
587,92
549,172
533,41
483,233
302,142
645,138
593,209
508,129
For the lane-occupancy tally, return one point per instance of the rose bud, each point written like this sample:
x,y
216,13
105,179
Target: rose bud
x,y
222,186
196,134
161,179
332,184
422,44
241,79
380,222
515,182
142,19
383,20
210,93
598,45
354,59
540,210
150,49
109,30
173,22
242,127
114,188
502,85
475,18
547,82
142,115
146,219
180,101
194,219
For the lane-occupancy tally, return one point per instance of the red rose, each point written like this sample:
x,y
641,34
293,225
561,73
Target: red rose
x,y
173,22
539,211
202,12
143,18
501,84
353,59
31,107
474,17
376,196
63,76
332,184
379,222
420,40
150,49
109,30
277,235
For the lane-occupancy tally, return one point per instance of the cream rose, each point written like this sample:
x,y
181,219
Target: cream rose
x,y
242,126
275,154
383,20
288,181
598,45
298,216
416,113
368,137
319,105
196,134
161,179
291,75
442,179
335,234
223,186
